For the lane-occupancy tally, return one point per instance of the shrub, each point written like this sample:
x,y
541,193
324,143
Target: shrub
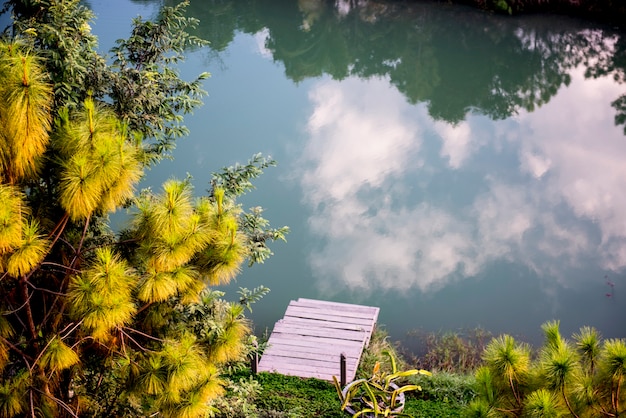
x,y
580,378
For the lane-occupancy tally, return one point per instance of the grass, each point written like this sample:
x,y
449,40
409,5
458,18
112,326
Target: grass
x,y
269,395
279,396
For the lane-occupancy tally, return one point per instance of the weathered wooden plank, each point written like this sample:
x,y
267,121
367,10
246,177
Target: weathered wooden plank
x,y
310,338
321,332
302,365
290,344
322,304
327,357
325,324
279,338
339,316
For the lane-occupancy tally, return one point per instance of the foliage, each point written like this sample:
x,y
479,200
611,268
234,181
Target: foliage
x,y
380,394
239,401
451,351
248,297
444,387
147,93
142,85
94,323
236,181
579,378
374,353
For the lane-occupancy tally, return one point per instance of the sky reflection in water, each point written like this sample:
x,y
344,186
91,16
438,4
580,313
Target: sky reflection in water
x,y
550,192
496,223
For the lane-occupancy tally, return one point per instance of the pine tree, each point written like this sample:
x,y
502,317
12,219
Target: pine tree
x,y
95,323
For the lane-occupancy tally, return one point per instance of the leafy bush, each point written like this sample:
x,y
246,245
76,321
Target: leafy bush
x,y
239,401
580,378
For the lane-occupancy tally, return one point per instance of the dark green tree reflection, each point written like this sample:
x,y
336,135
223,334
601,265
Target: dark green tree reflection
x,y
483,64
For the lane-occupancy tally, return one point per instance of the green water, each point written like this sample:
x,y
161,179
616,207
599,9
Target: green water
x,y
455,168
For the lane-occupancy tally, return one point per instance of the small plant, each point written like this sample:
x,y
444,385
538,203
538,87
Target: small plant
x,y
380,394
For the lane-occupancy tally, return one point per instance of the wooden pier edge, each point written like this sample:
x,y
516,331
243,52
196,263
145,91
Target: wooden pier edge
x,y
312,336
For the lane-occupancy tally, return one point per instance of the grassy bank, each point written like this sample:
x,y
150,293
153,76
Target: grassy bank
x,y
278,396
444,394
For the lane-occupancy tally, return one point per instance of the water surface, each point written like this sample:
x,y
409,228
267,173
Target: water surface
x,y
455,168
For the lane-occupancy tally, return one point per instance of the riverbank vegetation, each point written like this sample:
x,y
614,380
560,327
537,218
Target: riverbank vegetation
x,y
578,377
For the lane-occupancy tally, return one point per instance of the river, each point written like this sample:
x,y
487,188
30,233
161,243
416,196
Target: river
x,y
456,168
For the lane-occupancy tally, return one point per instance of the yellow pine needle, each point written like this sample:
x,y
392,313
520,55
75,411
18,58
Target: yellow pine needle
x,y
222,262
156,318
129,173
173,251
157,287
79,294
106,313
152,377
6,331
185,363
30,253
613,359
174,207
195,403
58,356
191,293
228,346
102,168
4,355
185,277
542,403
80,187
25,101
13,398
110,274
102,296
11,217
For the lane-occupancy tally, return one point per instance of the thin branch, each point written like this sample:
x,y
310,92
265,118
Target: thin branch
x,y
32,404
142,348
64,267
17,350
80,244
60,226
143,308
41,354
29,312
144,334
59,401
18,309
117,243
567,401
52,292
70,331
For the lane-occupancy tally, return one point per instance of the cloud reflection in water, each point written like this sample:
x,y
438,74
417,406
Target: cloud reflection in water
x,y
386,205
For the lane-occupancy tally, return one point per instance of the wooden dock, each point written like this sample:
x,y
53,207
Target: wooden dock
x,y
310,338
